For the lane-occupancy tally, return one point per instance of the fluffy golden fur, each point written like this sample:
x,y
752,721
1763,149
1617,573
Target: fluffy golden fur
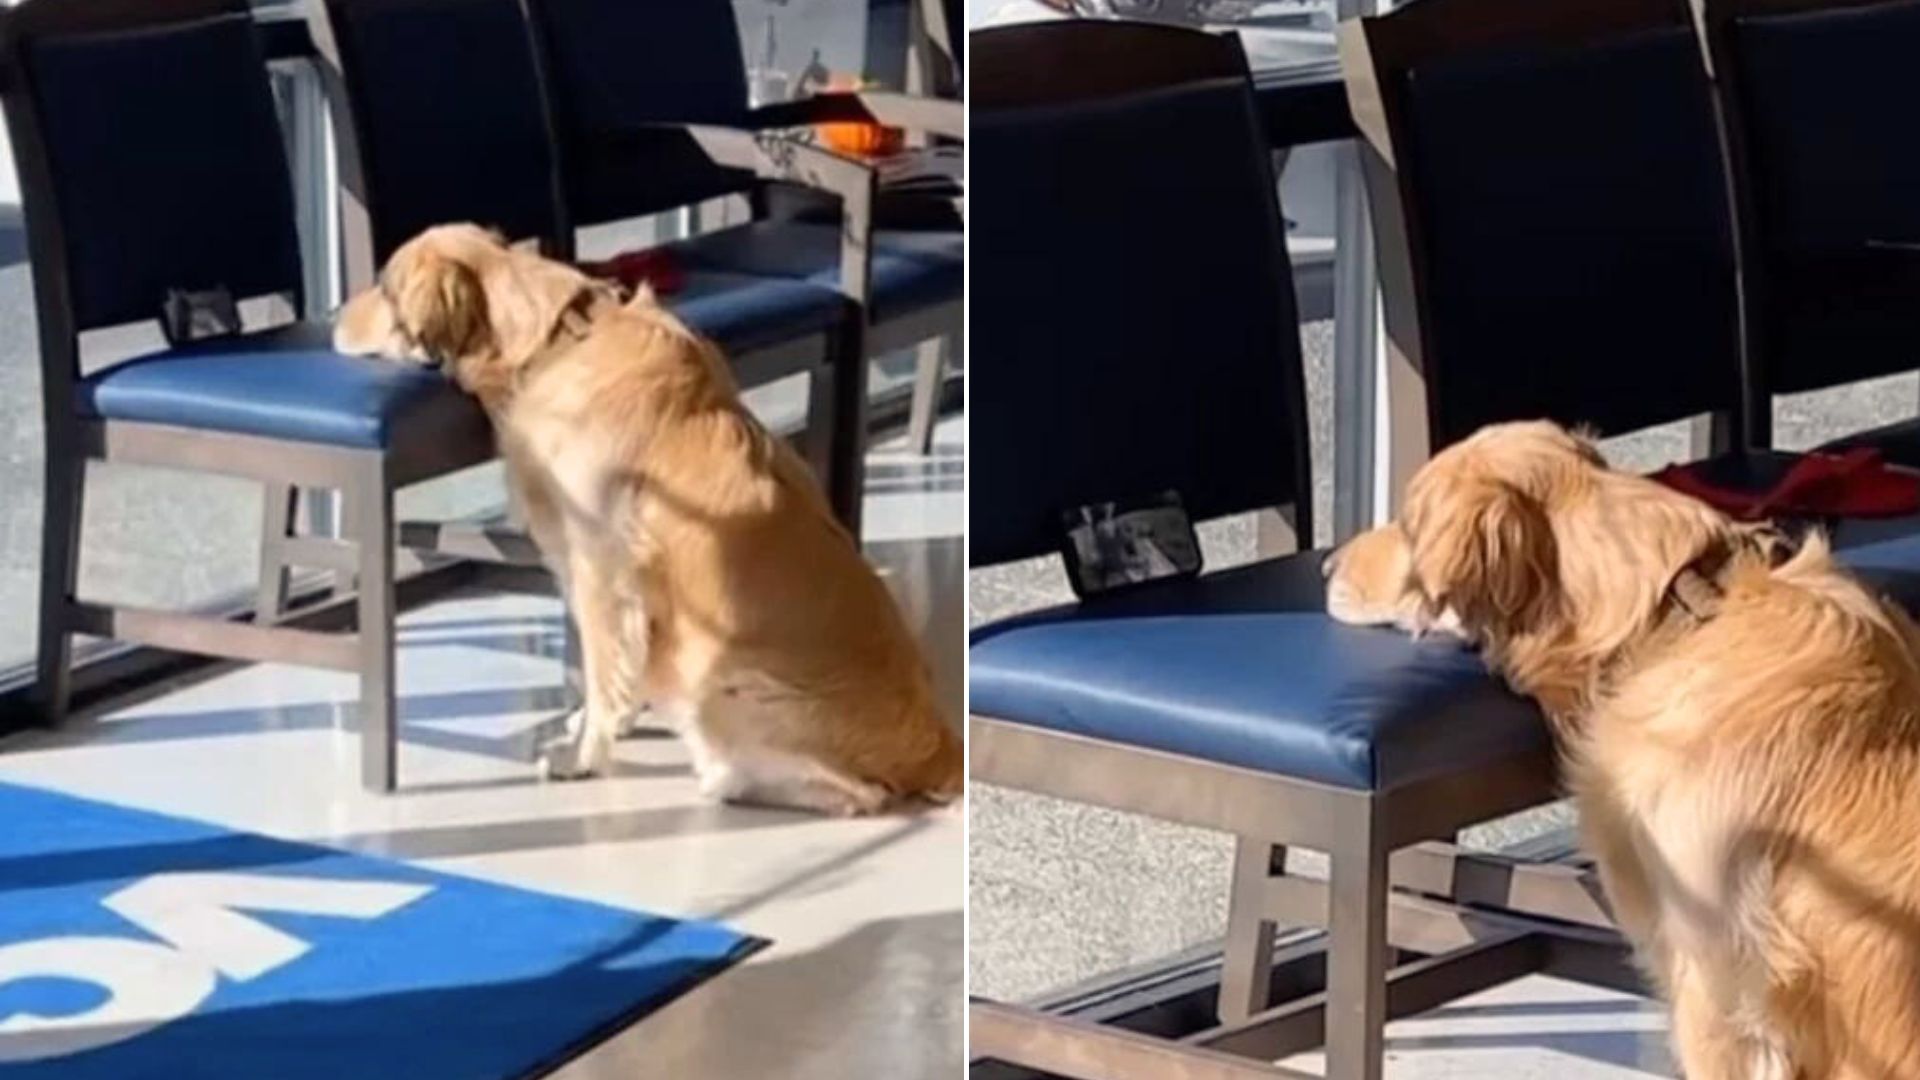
x,y
1748,778
697,554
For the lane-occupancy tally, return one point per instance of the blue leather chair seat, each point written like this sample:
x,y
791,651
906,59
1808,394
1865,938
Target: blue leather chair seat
x,y
1243,668
286,383
742,312
1886,554
911,270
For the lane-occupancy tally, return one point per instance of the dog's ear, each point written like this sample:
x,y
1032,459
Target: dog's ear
x,y
1485,550
527,296
439,303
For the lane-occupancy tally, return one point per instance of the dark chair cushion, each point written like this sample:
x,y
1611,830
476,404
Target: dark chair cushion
x,y
1569,202
1244,668
618,66
742,312
618,177
613,69
288,383
911,270
469,143
1832,190
891,210
1899,443
1126,351
167,161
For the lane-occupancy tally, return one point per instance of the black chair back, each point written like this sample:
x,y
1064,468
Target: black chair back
x,y
150,157
616,66
1133,325
446,119
1556,232
955,15
1819,96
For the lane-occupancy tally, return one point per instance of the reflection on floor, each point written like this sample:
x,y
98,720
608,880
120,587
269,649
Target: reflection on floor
x,y
864,976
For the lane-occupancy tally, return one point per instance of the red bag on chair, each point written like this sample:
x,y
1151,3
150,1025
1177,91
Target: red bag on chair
x,y
1854,484
632,269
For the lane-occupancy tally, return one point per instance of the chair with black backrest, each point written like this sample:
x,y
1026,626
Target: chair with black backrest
x,y
1550,201
939,68
1230,701
1557,225
943,72
644,94
151,162
474,143
1817,95
936,67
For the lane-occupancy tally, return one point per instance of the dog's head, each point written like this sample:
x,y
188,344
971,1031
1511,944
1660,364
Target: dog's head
x,y
1480,539
460,298
1548,558
1370,582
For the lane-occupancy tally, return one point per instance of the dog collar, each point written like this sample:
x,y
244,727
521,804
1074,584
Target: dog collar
x,y
1699,589
574,325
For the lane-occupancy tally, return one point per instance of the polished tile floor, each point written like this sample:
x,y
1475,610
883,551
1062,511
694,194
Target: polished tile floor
x,y
864,977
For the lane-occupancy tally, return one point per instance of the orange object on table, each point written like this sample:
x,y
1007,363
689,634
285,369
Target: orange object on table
x,y
860,138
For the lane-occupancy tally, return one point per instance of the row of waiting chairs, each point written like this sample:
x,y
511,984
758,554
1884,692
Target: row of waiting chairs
x,y
1566,229
545,118
152,163
1590,225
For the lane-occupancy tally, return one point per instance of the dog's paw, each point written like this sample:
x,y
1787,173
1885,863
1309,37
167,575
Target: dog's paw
x,y
568,757
856,798
722,783
562,762
643,722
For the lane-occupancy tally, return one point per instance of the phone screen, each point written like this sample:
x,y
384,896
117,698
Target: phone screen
x,y
1114,545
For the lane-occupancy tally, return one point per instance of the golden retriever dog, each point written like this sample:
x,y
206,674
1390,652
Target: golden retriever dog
x,y
697,554
1741,726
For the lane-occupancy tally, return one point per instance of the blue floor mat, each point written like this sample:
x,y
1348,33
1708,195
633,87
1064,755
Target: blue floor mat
x,y
135,946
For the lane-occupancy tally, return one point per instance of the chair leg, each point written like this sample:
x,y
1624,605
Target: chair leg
x,y
1247,968
344,528
59,578
371,507
930,368
1357,953
848,469
278,505
816,440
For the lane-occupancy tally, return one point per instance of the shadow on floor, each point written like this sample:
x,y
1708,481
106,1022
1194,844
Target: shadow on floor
x,y
1625,1048
613,827
426,842
418,714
